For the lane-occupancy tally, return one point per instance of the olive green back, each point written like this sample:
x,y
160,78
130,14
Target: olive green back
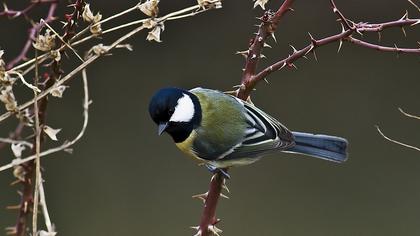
x,y
222,126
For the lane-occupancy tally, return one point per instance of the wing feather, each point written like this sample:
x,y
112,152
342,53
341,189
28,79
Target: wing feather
x,y
263,134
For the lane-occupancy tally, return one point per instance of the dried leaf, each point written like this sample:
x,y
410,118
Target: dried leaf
x,y
87,14
18,148
58,91
96,29
56,55
260,3
154,34
19,173
209,4
8,98
150,7
52,133
45,233
149,24
45,42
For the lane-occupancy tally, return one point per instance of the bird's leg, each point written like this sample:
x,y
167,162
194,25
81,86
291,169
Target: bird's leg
x,y
214,170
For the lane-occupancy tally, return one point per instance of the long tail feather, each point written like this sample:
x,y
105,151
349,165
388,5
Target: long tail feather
x,y
325,147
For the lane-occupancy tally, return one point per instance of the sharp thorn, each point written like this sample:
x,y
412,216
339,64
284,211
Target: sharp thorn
x,y
243,53
224,196
310,49
198,233
265,79
214,230
294,49
304,56
316,58
274,37
403,30
282,66
262,56
342,28
313,40
339,46
415,23
405,16
14,207
266,45
310,36
202,196
15,182
195,227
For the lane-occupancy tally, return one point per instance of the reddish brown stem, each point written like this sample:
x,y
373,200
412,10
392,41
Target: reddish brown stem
x,y
208,218
382,48
17,13
250,79
31,36
269,22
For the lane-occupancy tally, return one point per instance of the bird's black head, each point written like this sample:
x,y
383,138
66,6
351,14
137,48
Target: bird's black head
x,y
175,111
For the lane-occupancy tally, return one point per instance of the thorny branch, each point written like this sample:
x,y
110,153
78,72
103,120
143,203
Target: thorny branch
x,y
268,26
250,78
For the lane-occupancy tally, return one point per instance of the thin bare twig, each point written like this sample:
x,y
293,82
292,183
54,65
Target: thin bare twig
x,y
408,115
37,151
43,203
395,141
65,145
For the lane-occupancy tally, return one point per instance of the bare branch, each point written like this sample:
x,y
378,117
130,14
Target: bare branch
x,y
396,142
408,115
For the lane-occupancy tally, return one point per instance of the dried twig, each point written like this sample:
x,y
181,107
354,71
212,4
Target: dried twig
x,y
395,141
398,142
408,115
37,151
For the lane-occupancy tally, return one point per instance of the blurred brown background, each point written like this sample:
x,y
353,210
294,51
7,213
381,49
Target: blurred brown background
x,y
123,179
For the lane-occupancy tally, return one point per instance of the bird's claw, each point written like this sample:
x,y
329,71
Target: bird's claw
x,y
215,170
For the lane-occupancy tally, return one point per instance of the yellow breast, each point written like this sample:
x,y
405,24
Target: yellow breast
x,y
186,146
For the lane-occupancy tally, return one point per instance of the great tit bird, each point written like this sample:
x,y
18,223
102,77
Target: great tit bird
x,y
222,131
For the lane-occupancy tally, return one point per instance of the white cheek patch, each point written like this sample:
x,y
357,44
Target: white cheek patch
x,y
184,110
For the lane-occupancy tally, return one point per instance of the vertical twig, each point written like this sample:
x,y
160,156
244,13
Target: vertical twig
x,y
37,151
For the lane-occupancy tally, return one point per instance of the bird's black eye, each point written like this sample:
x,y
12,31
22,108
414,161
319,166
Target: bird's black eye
x,y
171,111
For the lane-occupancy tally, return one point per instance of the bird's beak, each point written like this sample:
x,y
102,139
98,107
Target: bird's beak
x,y
162,127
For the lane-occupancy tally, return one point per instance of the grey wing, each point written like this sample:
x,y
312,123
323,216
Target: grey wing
x,y
263,134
